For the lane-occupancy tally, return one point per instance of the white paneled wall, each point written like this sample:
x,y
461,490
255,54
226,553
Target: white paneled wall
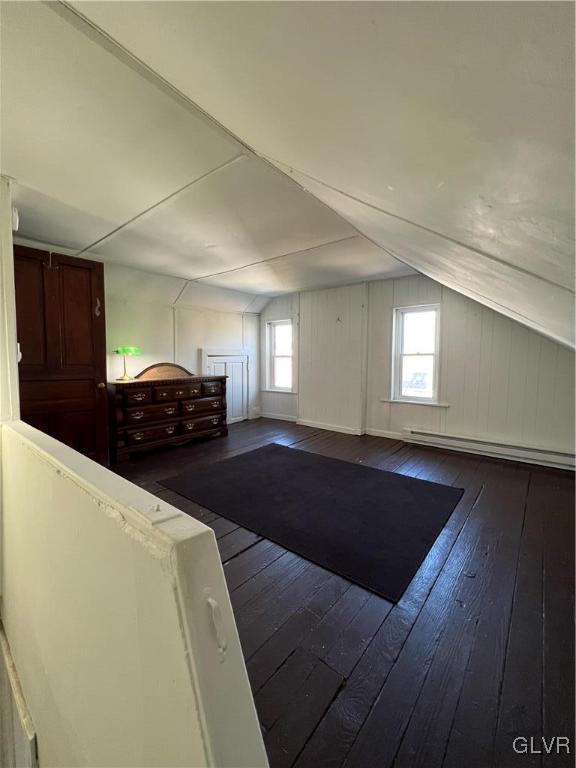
x,y
198,329
500,382
251,331
280,405
332,358
145,310
384,295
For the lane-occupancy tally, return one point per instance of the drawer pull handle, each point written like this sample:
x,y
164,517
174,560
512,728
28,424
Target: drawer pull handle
x,y
169,411
190,407
138,435
162,394
169,430
179,393
139,396
215,420
189,426
137,415
215,404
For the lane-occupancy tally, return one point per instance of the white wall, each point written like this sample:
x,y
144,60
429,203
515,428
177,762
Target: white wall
x,y
501,382
332,358
138,323
280,405
106,610
163,318
197,329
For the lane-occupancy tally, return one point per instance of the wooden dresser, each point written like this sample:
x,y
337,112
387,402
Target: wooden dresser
x,y
165,404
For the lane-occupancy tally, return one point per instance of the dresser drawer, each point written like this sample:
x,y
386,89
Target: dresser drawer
x,y
176,392
163,407
135,396
204,405
151,413
211,388
202,424
149,434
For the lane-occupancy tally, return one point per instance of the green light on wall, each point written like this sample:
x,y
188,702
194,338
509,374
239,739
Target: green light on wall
x,y
127,352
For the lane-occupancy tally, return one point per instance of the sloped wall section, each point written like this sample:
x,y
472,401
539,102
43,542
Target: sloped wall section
x,y
500,382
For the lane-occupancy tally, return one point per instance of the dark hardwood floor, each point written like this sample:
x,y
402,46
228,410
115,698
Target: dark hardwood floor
x,y
479,650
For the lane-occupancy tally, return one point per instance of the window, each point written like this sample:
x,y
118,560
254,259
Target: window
x,y
280,355
415,364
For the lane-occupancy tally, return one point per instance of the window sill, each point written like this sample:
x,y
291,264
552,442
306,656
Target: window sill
x,y
414,402
279,391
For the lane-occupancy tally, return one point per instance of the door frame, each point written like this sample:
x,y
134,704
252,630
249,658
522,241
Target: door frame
x,y
207,352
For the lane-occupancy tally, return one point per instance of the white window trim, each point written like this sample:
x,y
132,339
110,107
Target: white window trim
x,y
397,326
270,356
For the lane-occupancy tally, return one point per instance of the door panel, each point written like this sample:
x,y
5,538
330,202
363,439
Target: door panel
x,y
52,392
235,391
29,279
61,330
76,313
235,367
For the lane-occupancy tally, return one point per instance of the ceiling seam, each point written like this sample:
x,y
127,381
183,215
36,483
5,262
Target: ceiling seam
x,y
172,195
62,7
180,292
274,258
423,227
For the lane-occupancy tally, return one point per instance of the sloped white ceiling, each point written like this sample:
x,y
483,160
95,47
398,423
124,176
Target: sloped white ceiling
x,y
348,261
87,131
243,213
442,131
130,284
113,163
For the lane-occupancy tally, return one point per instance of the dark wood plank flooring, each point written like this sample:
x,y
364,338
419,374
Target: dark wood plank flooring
x,y
479,650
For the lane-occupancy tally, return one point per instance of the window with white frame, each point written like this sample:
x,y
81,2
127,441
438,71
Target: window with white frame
x,y
280,364
415,363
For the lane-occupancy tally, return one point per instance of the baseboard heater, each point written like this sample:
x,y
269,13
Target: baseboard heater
x,y
468,444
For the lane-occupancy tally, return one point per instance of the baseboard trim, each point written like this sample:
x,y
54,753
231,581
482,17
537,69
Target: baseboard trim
x,y
386,433
329,427
280,416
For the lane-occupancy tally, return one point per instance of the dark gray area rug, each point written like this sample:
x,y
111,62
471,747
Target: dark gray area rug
x,y
372,527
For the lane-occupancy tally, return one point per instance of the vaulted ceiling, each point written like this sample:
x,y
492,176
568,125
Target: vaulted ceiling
x,y
111,163
374,139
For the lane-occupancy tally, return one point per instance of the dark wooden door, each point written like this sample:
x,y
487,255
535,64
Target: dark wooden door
x,y
61,332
